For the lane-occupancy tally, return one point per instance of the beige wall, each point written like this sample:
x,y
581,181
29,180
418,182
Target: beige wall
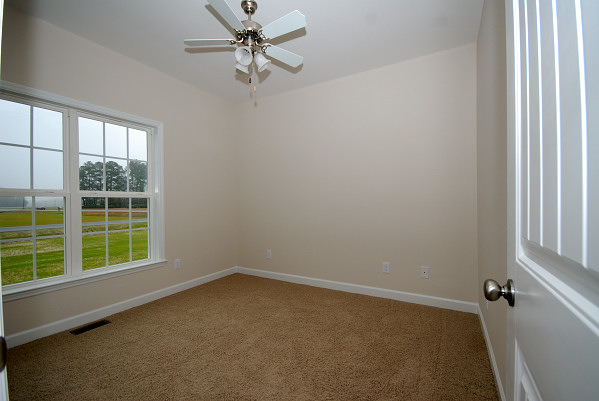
x,y
492,173
379,166
200,186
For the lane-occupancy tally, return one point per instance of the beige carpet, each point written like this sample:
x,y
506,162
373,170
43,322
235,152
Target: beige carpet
x,y
249,338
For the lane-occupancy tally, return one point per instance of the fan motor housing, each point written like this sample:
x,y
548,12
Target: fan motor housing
x,y
251,35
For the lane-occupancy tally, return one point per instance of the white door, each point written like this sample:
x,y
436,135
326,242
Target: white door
x,y
3,383
553,199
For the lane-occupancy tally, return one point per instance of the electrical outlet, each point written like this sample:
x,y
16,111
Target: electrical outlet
x,y
177,263
423,272
386,268
268,254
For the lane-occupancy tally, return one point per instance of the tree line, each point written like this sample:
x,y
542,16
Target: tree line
x,y
93,176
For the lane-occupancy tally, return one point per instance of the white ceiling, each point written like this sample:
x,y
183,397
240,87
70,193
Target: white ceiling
x,y
341,38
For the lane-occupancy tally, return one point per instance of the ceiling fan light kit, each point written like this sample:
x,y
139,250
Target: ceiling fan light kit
x,y
243,55
252,39
261,62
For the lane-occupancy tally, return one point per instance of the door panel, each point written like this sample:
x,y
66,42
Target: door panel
x,y
551,339
553,209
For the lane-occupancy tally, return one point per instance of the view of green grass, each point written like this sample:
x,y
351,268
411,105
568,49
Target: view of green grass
x,y
17,257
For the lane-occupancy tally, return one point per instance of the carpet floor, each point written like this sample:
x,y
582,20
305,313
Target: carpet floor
x,y
248,338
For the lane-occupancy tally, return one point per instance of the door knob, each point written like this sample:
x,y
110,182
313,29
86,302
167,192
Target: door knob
x,y
493,291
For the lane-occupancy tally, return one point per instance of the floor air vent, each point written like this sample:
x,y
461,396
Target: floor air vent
x,y
88,327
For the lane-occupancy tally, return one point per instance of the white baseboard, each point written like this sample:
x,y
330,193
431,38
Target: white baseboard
x,y
26,336
428,300
491,354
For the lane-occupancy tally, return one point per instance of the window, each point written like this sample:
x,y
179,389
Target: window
x,y
79,193
113,161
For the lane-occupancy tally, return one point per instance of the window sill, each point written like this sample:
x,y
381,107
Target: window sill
x,y
18,291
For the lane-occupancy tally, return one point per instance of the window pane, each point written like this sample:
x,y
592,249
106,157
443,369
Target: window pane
x,y
91,173
138,144
16,160
15,233
139,213
93,214
91,136
15,211
116,141
116,175
20,238
94,251
47,128
139,244
138,176
16,259
47,169
118,214
49,216
15,118
15,217
118,248
49,257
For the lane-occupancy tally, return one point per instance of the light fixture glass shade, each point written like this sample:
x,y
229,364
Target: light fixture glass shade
x,y
242,68
261,62
243,55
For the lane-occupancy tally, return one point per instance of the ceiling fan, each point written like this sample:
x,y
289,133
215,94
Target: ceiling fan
x,y
252,38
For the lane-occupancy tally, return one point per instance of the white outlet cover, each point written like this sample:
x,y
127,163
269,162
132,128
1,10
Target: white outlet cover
x,y
423,272
386,268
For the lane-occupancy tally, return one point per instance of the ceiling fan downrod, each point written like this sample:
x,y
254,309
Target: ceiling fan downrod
x,y
249,7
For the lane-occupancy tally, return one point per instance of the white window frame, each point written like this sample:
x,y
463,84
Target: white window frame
x,y
74,275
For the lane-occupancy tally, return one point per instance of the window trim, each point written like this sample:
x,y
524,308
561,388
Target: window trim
x,y
31,288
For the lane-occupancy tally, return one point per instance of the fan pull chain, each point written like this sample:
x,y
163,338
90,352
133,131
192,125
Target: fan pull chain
x,y
252,87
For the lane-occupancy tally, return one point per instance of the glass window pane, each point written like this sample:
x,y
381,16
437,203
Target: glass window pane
x,y
116,140
118,248
93,214
116,175
16,259
17,262
16,160
49,254
138,176
15,127
15,233
93,227
15,211
49,216
91,136
139,213
139,245
91,173
47,169
94,251
15,217
118,213
47,128
138,144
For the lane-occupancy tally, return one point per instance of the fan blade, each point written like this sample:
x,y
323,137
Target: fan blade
x,y
223,9
209,42
284,56
287,23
